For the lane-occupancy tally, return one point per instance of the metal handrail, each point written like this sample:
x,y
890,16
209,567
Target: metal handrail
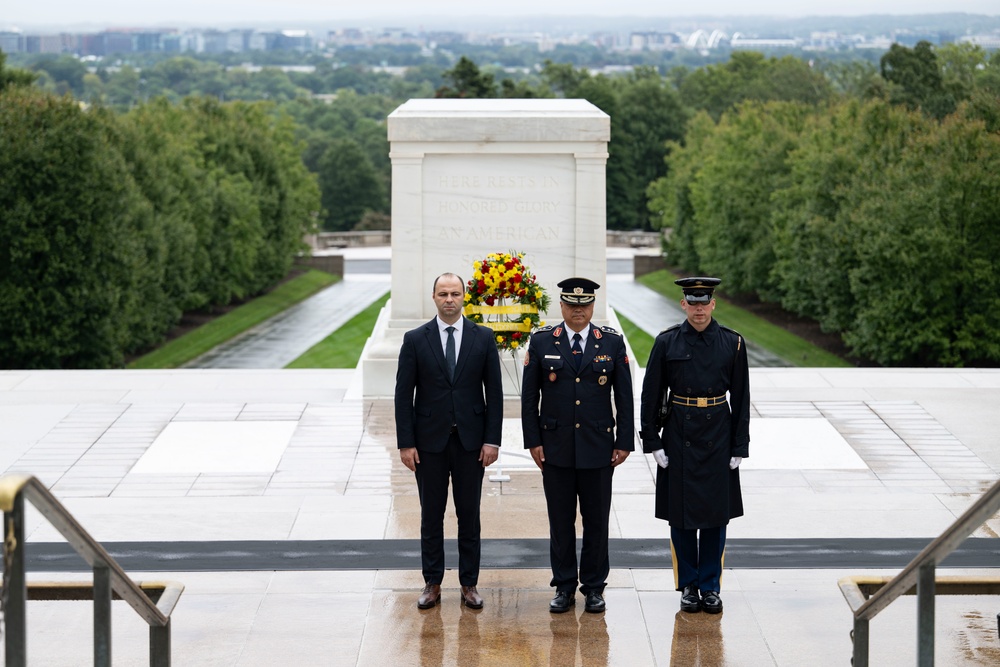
x,y
920,573
109,578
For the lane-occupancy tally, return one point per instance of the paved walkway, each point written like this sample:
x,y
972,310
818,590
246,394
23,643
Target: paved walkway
x,y
189,466
282,339
285,337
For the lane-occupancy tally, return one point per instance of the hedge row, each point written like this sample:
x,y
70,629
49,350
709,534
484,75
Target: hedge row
x,y
881,223
113,225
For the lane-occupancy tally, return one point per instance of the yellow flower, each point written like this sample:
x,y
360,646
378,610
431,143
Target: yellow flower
x,y
513,344
499,339
526,320
468,297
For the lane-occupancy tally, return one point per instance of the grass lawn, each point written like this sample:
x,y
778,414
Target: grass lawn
x,y
641,342
788,346
342,348
181,350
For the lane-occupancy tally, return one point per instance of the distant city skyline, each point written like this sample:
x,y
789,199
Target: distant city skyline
x,y
224,13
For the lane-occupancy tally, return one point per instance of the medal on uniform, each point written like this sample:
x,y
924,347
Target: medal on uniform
x,y
552,376
602,380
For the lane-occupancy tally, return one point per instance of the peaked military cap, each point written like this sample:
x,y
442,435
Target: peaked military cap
x,y
577,291
698,289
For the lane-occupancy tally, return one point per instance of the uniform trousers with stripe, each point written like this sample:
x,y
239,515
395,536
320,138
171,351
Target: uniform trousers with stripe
x,y
698,558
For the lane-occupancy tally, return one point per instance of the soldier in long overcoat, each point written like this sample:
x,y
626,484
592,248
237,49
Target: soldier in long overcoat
x,y
695,420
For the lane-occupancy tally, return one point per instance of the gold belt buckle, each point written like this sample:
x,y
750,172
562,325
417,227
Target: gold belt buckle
x,y
702,402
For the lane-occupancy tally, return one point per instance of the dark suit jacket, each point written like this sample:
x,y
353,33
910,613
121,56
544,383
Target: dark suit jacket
x,y
569,412
428,404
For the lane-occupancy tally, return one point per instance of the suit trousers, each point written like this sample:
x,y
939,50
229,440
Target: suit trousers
x,y
592,486
698,558
466,473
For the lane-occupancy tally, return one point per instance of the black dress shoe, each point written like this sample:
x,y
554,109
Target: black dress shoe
x,y
711,602
689,600
562,602
595,603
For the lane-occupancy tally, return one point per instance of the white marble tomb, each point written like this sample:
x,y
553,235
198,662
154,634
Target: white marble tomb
x,y
471,177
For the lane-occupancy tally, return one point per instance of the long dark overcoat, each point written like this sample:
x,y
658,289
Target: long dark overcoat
x,y
697,489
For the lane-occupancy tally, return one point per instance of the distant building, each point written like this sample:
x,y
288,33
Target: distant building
x,y
653,41
11,42
762,43
990,42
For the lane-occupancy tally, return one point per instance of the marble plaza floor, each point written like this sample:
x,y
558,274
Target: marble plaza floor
x,y
188,460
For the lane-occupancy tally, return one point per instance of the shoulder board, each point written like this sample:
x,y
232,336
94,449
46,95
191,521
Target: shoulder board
x,y
732,331
547,327
739,338
611,330
676,326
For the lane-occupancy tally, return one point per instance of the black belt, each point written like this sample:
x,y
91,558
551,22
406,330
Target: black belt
x,y
698,402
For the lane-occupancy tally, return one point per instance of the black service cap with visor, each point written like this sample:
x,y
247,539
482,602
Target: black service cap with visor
x,y
577,291
698,289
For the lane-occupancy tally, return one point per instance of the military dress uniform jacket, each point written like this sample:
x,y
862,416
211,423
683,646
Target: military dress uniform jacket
x,y
697,489
569,413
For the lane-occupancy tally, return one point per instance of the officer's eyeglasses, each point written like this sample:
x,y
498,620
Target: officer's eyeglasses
x,y
703,304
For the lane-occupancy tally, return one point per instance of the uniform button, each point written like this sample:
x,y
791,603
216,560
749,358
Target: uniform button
x,y
688,392
578,426
708,416
687,443
578,379
578,402
687,417
709,443
609,429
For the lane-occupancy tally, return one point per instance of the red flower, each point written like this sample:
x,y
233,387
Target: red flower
x,y
516,335
489,300
518,278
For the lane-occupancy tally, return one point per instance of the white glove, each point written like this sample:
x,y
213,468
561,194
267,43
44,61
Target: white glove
x,y
661,459
735,462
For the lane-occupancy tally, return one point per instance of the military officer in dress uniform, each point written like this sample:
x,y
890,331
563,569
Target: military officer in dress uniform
x,y
695,420
576,438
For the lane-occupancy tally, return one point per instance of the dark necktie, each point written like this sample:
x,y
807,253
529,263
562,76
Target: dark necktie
x,y
577,351
449,352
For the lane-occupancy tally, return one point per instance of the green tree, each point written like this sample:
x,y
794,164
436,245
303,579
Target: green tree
x,y
351,186
466,80
926,285
746,162
66,71
649,115
13,77
670,196
68,211
748,75
915,79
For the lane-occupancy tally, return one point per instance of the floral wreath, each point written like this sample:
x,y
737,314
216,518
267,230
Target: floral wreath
x,y
505,296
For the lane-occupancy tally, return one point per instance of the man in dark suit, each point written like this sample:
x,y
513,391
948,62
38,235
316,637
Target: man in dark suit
x,y
449,412
570,372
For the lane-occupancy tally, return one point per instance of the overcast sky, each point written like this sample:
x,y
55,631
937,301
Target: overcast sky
x,y
391,12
